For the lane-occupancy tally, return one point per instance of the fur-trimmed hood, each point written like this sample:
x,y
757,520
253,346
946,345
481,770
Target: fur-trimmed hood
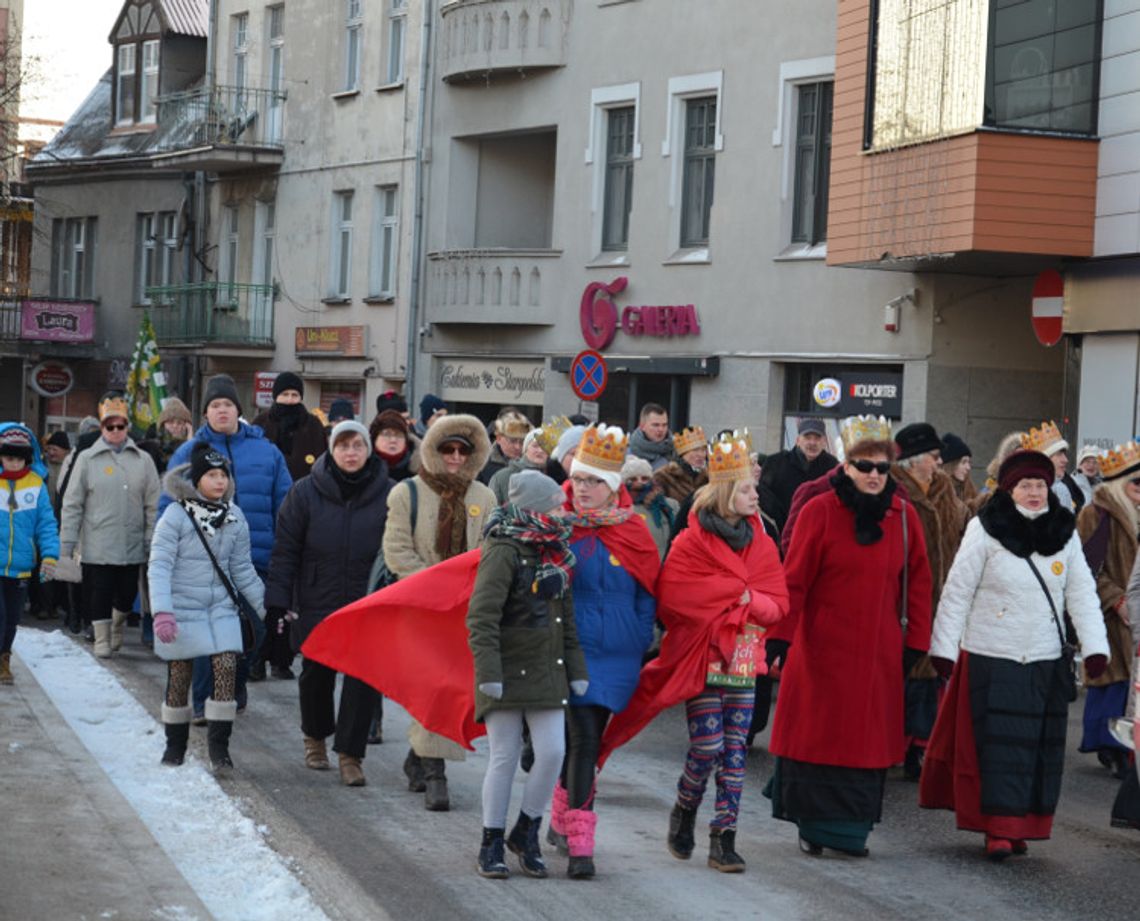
x,y
445,427
1023,536
176,484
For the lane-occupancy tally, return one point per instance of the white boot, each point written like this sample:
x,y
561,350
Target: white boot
x,y
118,620
102,630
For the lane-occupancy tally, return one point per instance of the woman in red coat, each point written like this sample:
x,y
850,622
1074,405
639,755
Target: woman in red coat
x,y
839,720
721,585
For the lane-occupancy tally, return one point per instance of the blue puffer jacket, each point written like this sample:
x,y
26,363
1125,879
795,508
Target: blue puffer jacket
x,y
183,580
31,524
261,481
614,615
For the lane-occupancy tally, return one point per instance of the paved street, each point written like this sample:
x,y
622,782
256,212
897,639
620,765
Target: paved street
x,y
376,853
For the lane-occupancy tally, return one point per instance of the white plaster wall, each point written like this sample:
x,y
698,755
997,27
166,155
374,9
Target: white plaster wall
x,y
1117,228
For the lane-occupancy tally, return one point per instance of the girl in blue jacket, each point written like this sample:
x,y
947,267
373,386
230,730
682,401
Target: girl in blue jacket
x,y
30,534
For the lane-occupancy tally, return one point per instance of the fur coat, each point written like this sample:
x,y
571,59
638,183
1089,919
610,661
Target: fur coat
x,y
679,480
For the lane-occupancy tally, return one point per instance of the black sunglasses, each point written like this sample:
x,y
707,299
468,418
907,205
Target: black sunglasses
x,y
454,447
114,427
866,466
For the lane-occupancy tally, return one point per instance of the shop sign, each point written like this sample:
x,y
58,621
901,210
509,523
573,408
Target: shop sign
x,y
57,321
858,392
52,379
493,382
331,341
600,319
263,388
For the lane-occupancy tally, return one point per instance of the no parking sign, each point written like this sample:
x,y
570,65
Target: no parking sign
x,y
588,375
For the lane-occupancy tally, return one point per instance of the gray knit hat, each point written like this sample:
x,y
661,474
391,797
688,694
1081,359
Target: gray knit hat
x,y
344,428
534,491
569,441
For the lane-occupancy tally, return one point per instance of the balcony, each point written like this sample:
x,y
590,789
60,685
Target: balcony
x,y
494,286
482,38
213,314
225,130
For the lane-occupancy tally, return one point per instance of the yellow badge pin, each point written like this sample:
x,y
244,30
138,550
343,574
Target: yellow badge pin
x,y
1058,568
474,511
309,459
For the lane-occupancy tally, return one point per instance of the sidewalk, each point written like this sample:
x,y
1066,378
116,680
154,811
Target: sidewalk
x,y
73,847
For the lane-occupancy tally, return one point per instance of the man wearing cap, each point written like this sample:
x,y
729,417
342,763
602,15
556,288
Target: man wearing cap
x,y
1087,475
786,471
511,429
534,456
297,433
432,409
108,515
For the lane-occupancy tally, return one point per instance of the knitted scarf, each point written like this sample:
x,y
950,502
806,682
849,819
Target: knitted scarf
x,y
651,451
209,516
549,535
737,536
288,417
451,526
869,509
600,517
652,497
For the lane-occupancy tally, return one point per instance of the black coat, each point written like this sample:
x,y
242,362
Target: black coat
x,y
784,472
325,545
309,441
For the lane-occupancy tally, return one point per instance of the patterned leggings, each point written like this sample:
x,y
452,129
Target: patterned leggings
x,y
181,671
718,729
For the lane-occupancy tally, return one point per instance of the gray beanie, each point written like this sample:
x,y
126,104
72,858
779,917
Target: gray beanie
x,y
88,424
343,428
568,442
534,491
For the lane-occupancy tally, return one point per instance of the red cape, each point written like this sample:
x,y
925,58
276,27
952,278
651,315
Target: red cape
x,y
698,600
629,541
409,641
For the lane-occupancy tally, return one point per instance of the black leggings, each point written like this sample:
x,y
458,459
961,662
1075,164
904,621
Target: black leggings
x,y
584,728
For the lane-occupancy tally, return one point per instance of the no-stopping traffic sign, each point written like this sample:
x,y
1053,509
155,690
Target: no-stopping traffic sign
x,y
588,375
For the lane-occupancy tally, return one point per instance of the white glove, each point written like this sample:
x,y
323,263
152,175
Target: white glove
x,y
493,689
578,688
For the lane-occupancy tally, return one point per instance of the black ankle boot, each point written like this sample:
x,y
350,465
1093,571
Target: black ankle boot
x,y
177,735
523,840
435,785
218,745
722,851
681,841
414,771
491,863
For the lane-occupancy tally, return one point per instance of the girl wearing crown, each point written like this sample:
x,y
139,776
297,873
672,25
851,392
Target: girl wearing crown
x,y
720,587
859,617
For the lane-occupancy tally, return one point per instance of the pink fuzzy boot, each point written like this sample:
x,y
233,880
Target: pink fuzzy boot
x,y
580,825
556,830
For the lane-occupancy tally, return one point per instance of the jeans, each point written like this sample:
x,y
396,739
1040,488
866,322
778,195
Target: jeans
x,y
11,607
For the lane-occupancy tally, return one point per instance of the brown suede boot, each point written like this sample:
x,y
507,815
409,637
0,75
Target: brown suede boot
x,y
6,668
351,774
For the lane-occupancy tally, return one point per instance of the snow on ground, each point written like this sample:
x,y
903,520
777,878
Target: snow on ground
x,y
219,851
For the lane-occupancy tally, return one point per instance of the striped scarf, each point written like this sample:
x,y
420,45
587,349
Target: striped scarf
x,y
549,535
600,517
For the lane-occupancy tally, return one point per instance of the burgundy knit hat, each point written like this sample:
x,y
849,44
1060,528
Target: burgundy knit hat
x,y
1024,465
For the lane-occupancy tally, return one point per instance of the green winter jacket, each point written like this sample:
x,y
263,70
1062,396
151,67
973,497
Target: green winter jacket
x,y
527,643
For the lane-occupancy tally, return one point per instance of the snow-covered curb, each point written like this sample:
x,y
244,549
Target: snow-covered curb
x,y
219,851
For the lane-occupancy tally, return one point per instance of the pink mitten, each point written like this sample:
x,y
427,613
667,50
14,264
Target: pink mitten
x,y
165,627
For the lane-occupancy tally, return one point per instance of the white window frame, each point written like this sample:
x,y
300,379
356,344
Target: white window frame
x,y
228,253
128,50
239,72
353,44
148,88
168,252
794,74
275,68
603,98
73,255
680,91
148,253
265,248
385,242
340,262
397,42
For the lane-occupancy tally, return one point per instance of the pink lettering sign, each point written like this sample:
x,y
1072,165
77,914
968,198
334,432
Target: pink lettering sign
x,y
57,321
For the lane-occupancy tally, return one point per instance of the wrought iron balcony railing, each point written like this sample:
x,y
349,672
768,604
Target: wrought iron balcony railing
x,y
226,116
215,312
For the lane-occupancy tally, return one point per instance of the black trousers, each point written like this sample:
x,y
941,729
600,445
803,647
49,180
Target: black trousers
x,y
106,587
320,718
584,728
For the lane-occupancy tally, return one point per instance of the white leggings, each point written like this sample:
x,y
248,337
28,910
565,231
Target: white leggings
x,y
504,731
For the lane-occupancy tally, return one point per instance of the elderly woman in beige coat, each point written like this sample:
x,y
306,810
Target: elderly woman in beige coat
x,y
437,514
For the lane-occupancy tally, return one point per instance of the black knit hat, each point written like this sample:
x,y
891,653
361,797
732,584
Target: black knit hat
x,y
917,438
389,399
59,439
954,448
287,380
341,409
1025,465
221,387
203,459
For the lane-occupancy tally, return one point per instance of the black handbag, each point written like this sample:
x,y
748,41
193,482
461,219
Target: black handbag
x,y
1068,650
246,611
380,576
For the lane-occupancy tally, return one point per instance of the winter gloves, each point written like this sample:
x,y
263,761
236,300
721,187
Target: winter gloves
x,y
910,659
944,667
165,627
493,689
579,687
1095,666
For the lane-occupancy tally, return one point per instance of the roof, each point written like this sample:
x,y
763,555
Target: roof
x,y
187,17
178,17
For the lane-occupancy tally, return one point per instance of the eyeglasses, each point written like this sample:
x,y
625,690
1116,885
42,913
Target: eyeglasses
x,y
866,466
1135,481
586,482
455,448
114,427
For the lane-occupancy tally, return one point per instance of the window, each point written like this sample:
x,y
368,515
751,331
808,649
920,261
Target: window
x,y
699,171
812,163
73,257
149,80
341,262
265,220
228,252
618,192
353,27
239,29
157,252
275,72
125,85
397,25
385,241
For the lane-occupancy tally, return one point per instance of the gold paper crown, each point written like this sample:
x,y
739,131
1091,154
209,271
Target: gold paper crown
x,y
1047,439
1120,460
689,440
730,458
114,406
855,429
603,447
547,436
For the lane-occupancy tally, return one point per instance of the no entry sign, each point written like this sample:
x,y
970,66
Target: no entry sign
x,y
588,375
1048,306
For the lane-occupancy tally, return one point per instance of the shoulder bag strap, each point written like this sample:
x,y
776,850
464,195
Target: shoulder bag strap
x,y
1049,596
905,569
213,559
415,497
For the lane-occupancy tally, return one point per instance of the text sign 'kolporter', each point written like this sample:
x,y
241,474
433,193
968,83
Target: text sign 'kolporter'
x,y
857,392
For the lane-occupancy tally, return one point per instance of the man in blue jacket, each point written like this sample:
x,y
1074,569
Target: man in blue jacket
x,y
261,481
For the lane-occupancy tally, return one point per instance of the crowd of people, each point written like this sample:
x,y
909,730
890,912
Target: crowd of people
x,y
911,618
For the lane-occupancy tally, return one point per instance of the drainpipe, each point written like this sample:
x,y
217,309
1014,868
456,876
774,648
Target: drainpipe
x,y
418,219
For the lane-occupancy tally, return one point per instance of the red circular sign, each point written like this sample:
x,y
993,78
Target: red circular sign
x,y
52,378
597,313
1048,307
588,375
